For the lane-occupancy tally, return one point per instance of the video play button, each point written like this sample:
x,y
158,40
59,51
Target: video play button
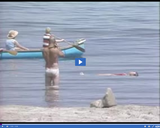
x,y
80,61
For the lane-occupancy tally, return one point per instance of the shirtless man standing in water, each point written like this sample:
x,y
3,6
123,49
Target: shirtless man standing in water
x,y
51,55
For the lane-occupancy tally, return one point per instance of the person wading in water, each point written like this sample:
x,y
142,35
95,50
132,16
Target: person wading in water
x,y
51,55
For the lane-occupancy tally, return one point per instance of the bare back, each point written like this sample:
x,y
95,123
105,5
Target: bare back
x,y
51,56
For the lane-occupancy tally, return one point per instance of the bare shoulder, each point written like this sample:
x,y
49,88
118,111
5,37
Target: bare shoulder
x,y
45,49
53,50
15,41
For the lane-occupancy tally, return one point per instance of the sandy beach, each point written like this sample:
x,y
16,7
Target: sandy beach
x,y
120,113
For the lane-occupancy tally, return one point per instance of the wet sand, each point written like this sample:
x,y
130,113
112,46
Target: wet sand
x,y
120,113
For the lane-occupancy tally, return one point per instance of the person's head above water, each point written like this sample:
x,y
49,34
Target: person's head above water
x,y
48,30
133,73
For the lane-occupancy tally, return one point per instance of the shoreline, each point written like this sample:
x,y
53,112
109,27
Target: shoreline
x,y
119,113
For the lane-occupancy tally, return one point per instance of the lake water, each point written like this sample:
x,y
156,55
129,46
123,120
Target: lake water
x,y
120,37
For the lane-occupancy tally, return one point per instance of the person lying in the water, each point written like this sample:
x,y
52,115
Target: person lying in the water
x,y
121,74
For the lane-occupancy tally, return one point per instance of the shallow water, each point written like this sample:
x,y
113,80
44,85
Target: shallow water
x,y
121,37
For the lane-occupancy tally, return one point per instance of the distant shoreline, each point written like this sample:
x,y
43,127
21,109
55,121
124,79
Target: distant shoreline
x,y
120,113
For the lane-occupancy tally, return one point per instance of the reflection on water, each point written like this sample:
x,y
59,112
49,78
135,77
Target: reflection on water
x,y
52,97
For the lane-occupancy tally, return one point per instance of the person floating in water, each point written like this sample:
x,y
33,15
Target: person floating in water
x,y
121,74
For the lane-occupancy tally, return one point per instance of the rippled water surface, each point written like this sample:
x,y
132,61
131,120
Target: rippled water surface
x,y
121,37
